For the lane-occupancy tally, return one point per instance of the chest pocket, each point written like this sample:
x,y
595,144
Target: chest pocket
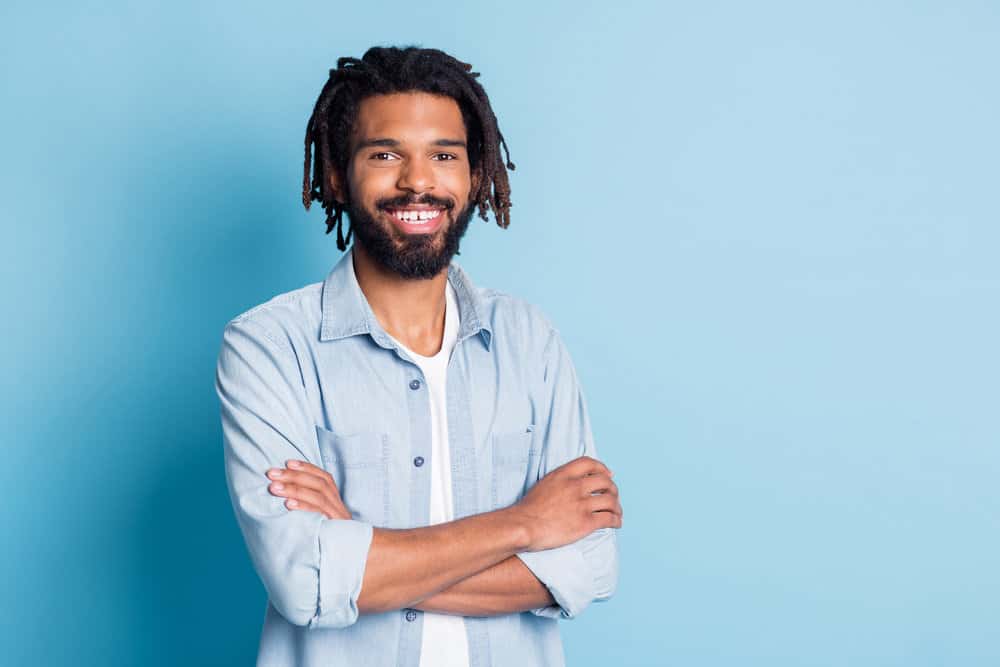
x,y
514,461
359,465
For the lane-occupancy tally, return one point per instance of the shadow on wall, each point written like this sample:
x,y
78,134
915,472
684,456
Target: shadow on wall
x,y
211,234
201,601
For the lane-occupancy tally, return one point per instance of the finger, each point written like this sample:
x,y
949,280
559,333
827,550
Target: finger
x,y
303,478
598,483
302,494
329,501
606,520
307,468
296,505
310,476
602,503
586,465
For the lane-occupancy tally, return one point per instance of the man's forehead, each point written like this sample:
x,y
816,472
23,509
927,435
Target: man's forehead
x,y
409,116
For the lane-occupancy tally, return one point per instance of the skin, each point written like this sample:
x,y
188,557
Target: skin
x,y
411,311
468,566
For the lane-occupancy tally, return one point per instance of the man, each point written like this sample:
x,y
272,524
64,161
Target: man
x,y
409,457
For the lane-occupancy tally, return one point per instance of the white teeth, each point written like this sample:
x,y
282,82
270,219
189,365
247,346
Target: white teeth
x,y
417,217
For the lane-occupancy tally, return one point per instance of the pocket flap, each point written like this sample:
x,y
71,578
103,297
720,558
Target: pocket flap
x,y
513,446
367,448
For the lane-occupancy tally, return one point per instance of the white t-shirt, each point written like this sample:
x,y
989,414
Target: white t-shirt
x,y
444,642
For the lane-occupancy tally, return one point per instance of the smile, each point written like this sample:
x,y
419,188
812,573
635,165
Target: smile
x,y
417,220
416,216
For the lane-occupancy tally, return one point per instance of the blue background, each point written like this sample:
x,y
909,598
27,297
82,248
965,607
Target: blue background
x,y
768,233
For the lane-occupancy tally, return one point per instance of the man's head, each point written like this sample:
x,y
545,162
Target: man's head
x,y
407,145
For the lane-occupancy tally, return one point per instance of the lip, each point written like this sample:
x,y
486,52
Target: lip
x,y
414,228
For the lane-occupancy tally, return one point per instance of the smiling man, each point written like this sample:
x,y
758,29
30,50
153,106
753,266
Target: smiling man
x,y
409,456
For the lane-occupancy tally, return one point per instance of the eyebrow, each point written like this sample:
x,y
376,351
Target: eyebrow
x,y
392,143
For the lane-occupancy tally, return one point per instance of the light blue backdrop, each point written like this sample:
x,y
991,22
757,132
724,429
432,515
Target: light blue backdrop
x,y
768,232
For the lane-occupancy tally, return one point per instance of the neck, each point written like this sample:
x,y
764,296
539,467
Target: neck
x,y
411,311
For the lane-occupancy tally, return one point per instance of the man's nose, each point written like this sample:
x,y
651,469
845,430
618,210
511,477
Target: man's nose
x,y
416,176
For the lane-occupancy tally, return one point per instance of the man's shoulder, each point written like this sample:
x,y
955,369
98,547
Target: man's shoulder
x,y
284,315
514,317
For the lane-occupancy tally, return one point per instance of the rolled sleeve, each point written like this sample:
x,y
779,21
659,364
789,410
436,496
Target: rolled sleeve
x,y
343,551
576,574
312,567
584,571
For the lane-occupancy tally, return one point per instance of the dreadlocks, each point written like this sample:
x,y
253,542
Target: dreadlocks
x,y
385,70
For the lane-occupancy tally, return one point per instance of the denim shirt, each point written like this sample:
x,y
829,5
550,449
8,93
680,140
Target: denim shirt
x,y
312,375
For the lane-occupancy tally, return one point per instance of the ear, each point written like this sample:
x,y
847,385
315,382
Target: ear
x,y
336,181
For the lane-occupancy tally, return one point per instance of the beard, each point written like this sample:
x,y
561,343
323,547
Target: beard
x,y
412,256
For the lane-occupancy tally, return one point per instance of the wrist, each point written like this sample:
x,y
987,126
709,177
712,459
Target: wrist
x,y
519,527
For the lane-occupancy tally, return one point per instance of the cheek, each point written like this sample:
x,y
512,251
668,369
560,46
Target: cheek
x,y
367,185
458,186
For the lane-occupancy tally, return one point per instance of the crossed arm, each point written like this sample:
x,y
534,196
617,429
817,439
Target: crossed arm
x,y
504,588
322,573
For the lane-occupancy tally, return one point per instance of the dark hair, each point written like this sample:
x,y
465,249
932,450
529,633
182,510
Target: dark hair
x,y
385,70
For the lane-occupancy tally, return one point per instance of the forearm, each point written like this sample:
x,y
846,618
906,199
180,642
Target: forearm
x,y
505,588
405,567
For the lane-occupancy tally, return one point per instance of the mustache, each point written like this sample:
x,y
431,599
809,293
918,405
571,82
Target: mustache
x,y
426,200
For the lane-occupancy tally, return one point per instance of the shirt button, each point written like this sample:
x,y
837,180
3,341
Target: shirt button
x,y
419,461
411,615
414,384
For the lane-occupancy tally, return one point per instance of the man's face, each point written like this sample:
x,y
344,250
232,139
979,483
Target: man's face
x,y
408,181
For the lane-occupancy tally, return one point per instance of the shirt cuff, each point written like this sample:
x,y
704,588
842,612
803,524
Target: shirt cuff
x,y
568,576
343,554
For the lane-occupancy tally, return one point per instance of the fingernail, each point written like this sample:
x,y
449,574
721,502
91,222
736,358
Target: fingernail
x,y
293,503
294,464
274,473
277,486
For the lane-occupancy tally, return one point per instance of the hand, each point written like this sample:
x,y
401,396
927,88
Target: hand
x,y
308,488
562,507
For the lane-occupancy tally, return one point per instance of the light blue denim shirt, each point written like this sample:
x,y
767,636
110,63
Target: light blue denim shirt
x,y
312,375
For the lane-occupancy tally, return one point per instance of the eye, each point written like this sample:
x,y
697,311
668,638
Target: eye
x,y
377,156
448,157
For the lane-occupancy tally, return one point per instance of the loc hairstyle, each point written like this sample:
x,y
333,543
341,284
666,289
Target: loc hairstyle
x,y
385,70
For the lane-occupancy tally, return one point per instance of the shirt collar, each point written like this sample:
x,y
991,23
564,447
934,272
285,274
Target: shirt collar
x,y
346,311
